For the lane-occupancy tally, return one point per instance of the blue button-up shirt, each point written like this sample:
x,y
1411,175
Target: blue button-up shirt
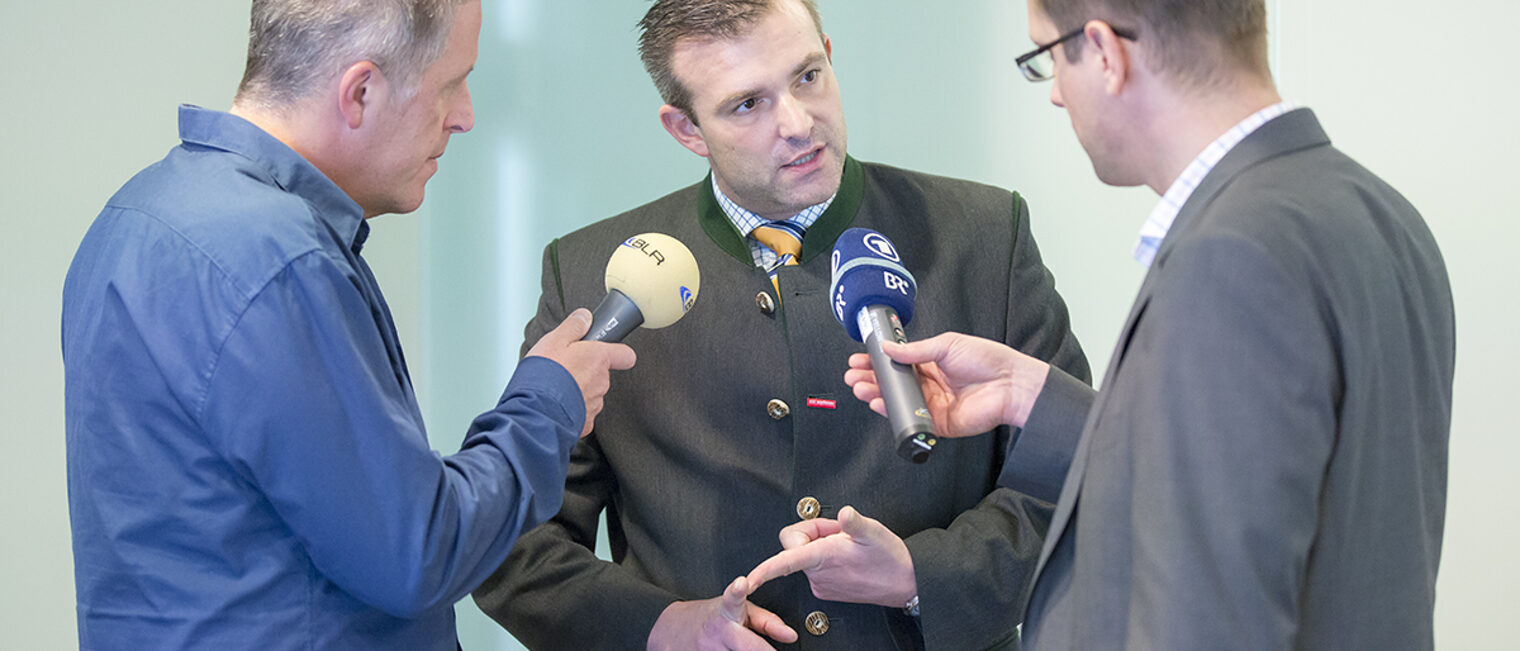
x,y
247,464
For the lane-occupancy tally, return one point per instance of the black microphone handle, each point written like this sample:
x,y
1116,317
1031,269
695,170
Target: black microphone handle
x,y
614,318
912,428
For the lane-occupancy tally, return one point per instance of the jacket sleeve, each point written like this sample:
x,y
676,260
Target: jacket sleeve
x,y
552,592
973,576
1037,322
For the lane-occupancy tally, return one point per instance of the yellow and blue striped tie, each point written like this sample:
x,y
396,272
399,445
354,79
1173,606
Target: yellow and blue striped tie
x,y
783,237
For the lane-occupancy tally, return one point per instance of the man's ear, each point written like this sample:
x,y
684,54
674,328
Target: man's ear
x,y
360,88
680,127
1113,55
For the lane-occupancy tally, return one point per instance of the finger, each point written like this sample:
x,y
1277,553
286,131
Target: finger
x,y
620,357
770,625
856,376
802,533
918,352
860,361
739,638
866,391
787,562
732,603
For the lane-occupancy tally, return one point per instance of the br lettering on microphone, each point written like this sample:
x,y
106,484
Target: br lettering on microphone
x,y
652,280
872,294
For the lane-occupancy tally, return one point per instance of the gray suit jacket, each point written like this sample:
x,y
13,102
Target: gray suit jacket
x,y
697,478
1265,466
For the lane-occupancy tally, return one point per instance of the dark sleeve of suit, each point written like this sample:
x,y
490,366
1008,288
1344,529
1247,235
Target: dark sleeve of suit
x,y
570,573
1043,450
1233,467
972,575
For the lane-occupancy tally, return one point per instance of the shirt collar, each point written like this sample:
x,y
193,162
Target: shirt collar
x,y
286,168
1160,220
746,222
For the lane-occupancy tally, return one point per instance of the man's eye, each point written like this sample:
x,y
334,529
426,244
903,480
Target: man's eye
x,y
809,76
745,106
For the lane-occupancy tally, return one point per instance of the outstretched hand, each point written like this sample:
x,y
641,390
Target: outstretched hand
x,y
853,559
971,385
728,621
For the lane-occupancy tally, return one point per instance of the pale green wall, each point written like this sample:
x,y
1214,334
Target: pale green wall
x,y
566,134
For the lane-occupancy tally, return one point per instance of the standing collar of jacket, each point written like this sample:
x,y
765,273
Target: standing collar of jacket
x,y
820,237
284,167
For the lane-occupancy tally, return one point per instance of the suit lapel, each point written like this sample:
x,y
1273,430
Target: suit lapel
x,y
1290,132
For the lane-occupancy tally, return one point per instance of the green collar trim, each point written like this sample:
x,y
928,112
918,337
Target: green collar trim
x,y
820,237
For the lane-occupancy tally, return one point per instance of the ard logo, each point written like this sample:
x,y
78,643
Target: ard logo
x,y
881,246
687,299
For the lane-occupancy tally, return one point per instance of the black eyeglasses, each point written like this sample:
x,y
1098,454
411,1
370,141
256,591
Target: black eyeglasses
x,y
1040,65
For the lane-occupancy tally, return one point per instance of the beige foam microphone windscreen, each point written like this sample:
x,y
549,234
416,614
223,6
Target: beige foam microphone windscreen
x,y
658,273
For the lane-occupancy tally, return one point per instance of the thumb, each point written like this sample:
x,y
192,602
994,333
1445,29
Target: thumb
x,y
732,602
856,525
573,327
932,349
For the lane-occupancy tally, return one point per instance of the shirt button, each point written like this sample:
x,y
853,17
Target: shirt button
x,y
817,623
766,304
807,508
777,409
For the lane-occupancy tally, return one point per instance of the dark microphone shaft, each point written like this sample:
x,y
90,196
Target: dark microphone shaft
x,y
907,414
614,318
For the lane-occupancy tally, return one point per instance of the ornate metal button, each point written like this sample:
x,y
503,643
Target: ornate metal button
x,y
817,623
777,409
808,508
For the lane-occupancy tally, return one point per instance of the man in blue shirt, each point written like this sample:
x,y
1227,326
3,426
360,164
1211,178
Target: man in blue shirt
x,y
247,462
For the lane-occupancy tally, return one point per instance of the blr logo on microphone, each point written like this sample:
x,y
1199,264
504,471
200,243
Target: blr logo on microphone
x,y
641,244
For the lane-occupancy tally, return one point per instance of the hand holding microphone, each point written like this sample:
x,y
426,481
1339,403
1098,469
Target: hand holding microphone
x,y
652,280
971,385
872,295
589,362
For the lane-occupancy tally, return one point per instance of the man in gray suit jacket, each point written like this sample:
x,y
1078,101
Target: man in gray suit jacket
x,y
1265,465
737,421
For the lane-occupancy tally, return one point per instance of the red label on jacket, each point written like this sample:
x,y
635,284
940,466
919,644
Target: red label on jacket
x,y
822,403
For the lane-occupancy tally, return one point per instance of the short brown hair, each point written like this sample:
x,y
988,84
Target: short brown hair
x,y
669,21
1197,41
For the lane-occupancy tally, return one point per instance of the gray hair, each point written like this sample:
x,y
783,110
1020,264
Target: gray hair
x,y
296,46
